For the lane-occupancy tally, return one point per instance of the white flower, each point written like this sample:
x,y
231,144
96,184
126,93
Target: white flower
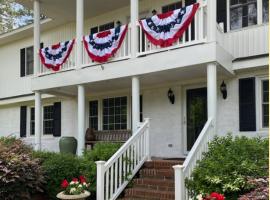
x,y
80,186
199,197
84,183
72,190
72,183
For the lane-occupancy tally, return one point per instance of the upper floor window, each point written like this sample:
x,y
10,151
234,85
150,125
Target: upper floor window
x,y
27,61
171,7
265,11
115,113
243,13
265,103
102,27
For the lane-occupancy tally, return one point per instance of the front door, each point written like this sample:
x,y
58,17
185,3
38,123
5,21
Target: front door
x,y
196,114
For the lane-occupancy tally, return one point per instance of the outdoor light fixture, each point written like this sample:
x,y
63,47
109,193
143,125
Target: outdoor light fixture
x,y
223,90
171,96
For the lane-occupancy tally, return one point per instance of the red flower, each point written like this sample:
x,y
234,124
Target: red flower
x,y
75,180
217,196
82,179
64,183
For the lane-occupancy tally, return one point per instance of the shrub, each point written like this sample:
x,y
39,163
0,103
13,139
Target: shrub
x,y
59,166
20,175
228,164
102,151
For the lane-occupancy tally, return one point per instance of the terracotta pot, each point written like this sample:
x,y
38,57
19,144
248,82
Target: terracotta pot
x,y
82,196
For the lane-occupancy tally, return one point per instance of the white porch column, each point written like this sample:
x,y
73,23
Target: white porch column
x,y
135,103
79,31
38,120
212,91
211,20
134,10
36,36
81,119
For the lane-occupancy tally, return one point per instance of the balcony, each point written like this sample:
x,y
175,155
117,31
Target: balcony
x,y
194,35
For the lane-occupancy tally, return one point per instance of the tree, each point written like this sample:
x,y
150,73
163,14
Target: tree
x,y
13,15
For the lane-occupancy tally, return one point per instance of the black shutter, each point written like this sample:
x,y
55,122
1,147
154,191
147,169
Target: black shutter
x,y
247,107
41,45
23,120
222,13
22,62
57,119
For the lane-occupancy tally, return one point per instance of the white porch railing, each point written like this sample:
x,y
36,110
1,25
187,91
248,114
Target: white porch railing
x,y
114,175
195,34
122,53
185,170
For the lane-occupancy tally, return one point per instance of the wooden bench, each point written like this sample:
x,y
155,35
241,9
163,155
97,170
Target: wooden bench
x,y
114,136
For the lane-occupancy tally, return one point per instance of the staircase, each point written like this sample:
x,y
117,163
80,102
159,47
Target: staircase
x,y
154,181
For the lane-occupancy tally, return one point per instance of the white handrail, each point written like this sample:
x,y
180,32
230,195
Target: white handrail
x,y
196,153
114,175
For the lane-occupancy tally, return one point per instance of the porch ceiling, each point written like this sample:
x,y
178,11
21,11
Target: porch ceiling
x,y
187,75
65,10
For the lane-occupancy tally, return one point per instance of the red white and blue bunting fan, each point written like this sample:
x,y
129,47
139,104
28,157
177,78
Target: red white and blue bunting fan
x,y
53,57
102,46
165,29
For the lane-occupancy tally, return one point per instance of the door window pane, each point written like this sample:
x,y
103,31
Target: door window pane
x,y
115,113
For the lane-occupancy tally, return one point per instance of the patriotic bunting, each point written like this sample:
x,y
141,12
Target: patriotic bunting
x,y
165,29
102,46
53,57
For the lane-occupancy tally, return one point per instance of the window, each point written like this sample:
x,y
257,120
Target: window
x,y
48,120
29,61
243,13
265,103
93,115
265,11
32,121
171,7
101,28
115,113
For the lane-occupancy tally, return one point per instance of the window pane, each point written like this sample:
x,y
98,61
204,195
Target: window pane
x,y
236,18
265,10
115,115
252,14
265,103
48,120
29,61
32,121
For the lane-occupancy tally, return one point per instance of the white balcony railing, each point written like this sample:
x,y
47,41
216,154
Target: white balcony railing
x,y
195,34
114,175
196,153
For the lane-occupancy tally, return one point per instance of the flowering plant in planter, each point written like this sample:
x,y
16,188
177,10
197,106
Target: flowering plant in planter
x,y
76,186
212,196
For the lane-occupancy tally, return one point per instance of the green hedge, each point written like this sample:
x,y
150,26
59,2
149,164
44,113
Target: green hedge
x,y
59,166
228,164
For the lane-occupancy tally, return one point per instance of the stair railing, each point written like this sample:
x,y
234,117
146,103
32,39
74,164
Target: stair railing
x,y
184,171
115,174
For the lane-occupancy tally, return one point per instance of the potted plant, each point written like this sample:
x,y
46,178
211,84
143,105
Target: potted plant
x,y
76,189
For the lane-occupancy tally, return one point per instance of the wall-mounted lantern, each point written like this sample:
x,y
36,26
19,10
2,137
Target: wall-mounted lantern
x,y
171,96
223,90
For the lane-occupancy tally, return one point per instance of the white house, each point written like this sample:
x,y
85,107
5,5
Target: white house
x,y
226,42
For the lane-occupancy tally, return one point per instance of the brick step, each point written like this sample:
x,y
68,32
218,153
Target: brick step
x,y
157,173
148,194
154,184
162,164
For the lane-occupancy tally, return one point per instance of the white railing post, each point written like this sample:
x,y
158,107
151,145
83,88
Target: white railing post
x,y
100,179
148,140
179,182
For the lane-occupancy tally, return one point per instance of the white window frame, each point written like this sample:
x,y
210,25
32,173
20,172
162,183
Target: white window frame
x,y
25,64
259,16
259,111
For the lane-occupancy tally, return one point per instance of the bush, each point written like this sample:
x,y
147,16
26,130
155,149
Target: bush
x,y
102,151
227,166
20,175
59,166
